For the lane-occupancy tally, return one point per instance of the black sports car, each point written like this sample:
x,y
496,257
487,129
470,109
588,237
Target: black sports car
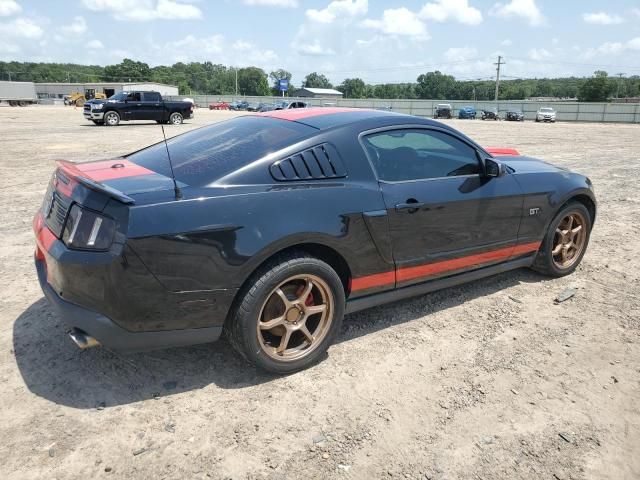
x,y
491,114
270,227
514,116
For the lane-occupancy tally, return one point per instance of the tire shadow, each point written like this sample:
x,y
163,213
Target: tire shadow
x,y
55,369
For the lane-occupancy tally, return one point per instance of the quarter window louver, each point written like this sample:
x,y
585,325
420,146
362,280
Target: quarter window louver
x,y
316,163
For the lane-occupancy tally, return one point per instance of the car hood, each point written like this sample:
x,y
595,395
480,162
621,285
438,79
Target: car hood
x,y
521,164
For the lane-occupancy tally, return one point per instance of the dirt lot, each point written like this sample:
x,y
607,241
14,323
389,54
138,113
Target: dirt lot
x,y
491,380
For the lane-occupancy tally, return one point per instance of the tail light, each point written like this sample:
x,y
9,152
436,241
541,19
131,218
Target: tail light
x,y
88,230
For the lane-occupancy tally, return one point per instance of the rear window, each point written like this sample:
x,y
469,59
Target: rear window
x,y
202,156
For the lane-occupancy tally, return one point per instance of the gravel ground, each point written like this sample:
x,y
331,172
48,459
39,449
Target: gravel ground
x,y
490,380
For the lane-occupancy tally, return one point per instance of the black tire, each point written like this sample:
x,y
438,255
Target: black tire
x,y
242,328
160,121
175,118
111,118
544,261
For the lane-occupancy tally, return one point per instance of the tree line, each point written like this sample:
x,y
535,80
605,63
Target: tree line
x,y
208,78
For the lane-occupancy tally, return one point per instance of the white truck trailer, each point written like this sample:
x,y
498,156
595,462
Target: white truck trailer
x,y
18,93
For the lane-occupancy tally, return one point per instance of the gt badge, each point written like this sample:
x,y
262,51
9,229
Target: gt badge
x,y
534,211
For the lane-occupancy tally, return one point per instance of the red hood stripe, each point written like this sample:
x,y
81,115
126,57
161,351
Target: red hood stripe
x,y
502,151
300,113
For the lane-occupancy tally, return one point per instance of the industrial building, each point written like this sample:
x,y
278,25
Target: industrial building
x,y
55,92
319,93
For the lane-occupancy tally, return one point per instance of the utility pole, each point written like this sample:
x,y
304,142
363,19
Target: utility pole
x,y
236,69
620,75
500,62
9,75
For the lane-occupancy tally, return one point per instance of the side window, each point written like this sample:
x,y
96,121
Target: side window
x,y
151,97
134,96
414,154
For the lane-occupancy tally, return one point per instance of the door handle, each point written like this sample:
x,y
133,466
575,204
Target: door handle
x,y
410,205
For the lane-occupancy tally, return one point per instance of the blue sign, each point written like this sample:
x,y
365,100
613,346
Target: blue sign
x,y
283,84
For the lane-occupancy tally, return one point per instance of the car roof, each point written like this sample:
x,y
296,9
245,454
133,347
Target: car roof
x,y
328,117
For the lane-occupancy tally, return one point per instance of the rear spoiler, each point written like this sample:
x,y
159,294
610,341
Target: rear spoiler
x,y
502,151
74,174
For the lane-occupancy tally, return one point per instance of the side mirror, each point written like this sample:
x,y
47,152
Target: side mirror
x,y
493,168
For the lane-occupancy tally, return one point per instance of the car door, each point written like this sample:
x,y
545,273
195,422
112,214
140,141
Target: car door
x,y
132,106
150,107
445,215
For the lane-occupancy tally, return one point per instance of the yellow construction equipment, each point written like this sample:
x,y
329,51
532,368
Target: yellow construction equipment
x,y
78,99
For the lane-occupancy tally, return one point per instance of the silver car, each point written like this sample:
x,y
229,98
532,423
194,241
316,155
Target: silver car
x,y
546,114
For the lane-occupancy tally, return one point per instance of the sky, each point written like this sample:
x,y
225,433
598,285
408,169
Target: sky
x,y
379,41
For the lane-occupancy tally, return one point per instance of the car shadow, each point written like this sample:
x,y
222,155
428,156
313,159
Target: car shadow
x,y
55,369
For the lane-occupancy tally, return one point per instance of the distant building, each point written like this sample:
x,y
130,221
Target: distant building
x,y
319,93
89,89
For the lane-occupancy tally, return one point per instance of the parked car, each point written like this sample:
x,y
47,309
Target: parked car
x,y
241,105
284,105
443,110
514,116
253,107
546,114
219,106
467,112
490,114
266,107
270,227
136,105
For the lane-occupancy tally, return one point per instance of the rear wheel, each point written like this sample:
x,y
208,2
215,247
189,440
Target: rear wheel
x,y
566,241
290,314
111,119
175,118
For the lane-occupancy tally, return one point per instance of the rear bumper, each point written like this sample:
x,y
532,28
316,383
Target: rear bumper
x,y
111,335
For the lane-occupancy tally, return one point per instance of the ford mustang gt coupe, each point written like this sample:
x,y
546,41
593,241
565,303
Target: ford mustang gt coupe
x,y
270,227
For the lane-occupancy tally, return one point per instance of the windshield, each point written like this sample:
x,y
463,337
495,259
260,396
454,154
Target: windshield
x,y
202,156
120,96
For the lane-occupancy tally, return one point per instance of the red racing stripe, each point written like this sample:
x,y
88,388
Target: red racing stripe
x,y
300,113
430,269
502,151
105,170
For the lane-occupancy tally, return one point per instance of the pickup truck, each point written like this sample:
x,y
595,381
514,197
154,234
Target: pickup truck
x,y
136,105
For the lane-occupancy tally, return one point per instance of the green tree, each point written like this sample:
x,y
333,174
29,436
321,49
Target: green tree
x,y
128,70
353,88
316,80
435,85
596,89
253,81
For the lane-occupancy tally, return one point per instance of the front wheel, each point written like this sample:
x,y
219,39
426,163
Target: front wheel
x,y
111,119
289,315
565,242
175,119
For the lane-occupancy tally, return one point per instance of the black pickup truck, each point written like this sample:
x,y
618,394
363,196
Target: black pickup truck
x,y
136,105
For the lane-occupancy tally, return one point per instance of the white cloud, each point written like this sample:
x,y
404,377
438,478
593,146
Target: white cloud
x,y
338,9
241,45
399,21
145,10
525,9
9,48
636,12
460,54
613,48
506,42
77,27
602,18
9,7
22,28
458,10
538,54
273,3
315,49
95,45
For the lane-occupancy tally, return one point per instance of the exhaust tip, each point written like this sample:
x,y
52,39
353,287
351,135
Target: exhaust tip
x,y
82,339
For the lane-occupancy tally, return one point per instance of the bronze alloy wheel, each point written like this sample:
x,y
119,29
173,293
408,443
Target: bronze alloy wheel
x,y
295,318
569,240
